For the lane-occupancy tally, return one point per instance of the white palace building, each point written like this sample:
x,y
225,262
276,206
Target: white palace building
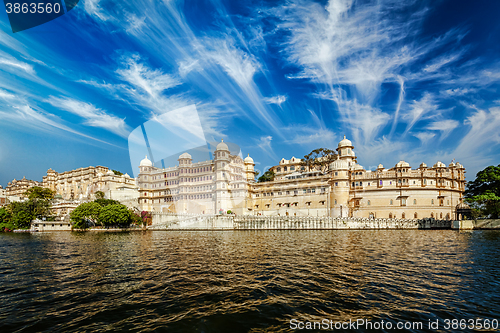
x,y
227,184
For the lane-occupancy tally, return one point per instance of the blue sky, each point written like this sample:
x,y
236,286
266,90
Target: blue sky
x,y
412,80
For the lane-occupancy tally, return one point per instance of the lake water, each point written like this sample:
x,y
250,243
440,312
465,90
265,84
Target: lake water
x,y
246,281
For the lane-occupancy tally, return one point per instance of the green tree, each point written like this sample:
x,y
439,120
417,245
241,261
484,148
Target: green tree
x,y
484,192
99,195
118,173
21,219
106,202
5,220
84,213
4,215
39,193
268,176
115,215
319,159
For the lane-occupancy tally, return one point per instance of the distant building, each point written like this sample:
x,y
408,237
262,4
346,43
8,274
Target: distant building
x,y
17,188
82,184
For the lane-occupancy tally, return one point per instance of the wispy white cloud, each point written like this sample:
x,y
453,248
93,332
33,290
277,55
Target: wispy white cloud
x,y
93,116
151,81
93,8
444,126
278,100
420,109
303,135
24,114
264,143
424,137
11,63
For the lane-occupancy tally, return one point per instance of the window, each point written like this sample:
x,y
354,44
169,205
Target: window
x,y
414,201
292,168
441,216
415,215
403,201
390,215
368,203
284,169
336,173
391,202
336,184
278,169
403,215
380,183
335,201
432,201
432,215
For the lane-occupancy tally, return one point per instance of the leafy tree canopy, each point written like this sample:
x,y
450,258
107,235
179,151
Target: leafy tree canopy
x,y
4,215
484,192
38,192
115,215
99,195
319,159
88,211
106,202
118,173
268,176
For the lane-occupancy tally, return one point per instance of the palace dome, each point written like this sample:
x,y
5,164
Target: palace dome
x,y
222,145
185,155
402,164
439,164
380,166
423,165
248,159
345,143
146,162
357,167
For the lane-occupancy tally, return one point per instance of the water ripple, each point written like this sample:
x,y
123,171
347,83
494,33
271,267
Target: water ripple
x,y
243,281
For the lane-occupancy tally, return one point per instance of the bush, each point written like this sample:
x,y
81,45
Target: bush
x,y
85,212
115,215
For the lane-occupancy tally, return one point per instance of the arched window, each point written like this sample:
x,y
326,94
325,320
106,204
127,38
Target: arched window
x,y
391,202
448,216
441,216
432,215
432,201
403,215
368,202
284,169
390,215
415,215
414,201
278,169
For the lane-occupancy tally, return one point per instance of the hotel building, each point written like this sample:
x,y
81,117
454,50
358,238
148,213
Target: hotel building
x,y
344,189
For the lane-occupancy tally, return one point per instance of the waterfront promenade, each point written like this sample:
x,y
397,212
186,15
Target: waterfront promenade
x,y
169,221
